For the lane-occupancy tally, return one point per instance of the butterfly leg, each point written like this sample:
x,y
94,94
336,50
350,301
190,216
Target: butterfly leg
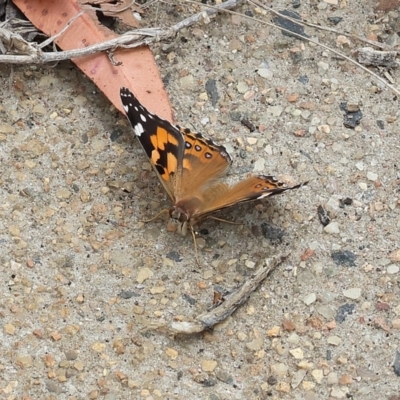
x,y
223,220
195,245
160,213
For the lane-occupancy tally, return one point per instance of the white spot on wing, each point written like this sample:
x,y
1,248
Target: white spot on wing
x,y
263,196
143,118
138,129
126,108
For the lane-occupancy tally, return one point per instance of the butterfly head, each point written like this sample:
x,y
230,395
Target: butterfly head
x,y
179,220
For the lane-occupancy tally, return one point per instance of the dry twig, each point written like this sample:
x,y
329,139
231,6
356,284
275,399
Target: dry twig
x,y
29,53
232,302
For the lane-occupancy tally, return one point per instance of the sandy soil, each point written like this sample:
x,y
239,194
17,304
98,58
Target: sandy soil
x,y
83,277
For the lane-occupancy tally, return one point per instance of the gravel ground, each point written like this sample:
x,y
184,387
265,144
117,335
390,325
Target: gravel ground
x,y
83,277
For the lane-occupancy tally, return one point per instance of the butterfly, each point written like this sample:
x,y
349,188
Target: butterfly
x,y
191,168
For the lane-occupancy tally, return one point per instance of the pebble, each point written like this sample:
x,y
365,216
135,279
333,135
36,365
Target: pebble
x,y
396,363
344,257
157,290
283,387
279,369
171,353
308,386
144,274
343,311
223,376
71,355
352,293
298,376
334,340
53,387
259,165
318,375
345,379
372,176
392,269
250,264
39,109
7,129
204,121
395,256
297,353
332,228
276,111
252,140
24,361
208,365
265,73
256,344
9,328
294,338
274,331
323,65
338,394
309,299
396,323
242,87
187,82
63,193
332,378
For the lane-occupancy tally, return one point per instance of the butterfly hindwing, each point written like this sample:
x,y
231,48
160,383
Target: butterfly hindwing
x,y
204,162
252,188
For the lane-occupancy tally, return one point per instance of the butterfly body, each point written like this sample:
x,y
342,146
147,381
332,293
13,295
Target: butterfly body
x,y
191,168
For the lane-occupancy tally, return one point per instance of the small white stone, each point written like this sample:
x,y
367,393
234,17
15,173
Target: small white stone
x,y
392,269
334,340
187,82
265,73
279,369
336,393
360,166
323,65
352,293
242,87
259,165
293,338
268,149
205,121
309,299
334,203
318,375
332,228
363,186
252,140
297,353
372,176
250,264
332,378
276,111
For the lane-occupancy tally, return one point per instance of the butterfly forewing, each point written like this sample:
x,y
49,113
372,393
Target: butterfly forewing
x,y
162,141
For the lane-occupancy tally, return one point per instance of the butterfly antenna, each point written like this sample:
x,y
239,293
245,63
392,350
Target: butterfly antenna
x,y
160,213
